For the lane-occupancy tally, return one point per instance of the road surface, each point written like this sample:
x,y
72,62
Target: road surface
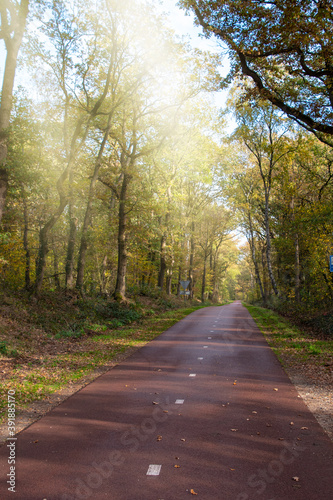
x,y
204,411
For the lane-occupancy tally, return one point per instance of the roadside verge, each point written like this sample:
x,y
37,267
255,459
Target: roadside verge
x,y
307,360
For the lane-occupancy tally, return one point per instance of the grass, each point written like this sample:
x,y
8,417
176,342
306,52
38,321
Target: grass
x,y
289,342
46,351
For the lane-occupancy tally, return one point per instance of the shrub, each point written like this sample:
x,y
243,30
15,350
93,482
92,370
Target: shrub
x,y
3,348
72,333
106,309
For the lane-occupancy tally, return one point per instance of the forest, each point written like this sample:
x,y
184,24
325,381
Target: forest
x,y
118,174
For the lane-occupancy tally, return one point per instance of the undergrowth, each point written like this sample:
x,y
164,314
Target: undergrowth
x,y
289,340
49,344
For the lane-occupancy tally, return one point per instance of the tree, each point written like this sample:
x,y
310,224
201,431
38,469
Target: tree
x,y
13,16
284,47
112,165
80,94
264,134
244,200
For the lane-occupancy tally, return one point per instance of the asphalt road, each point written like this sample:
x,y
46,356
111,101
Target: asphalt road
x,y
203,411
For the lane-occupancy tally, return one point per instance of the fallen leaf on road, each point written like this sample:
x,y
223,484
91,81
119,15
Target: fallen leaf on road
x,y
193,492
268,425
281,439
176,466
155,403
234,430
36,441
165,411
304,428
176,458
232,469
182,439
159,438
275,389
254,412
291,423
295,478
235,382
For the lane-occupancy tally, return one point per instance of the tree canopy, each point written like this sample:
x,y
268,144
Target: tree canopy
x,y
284,47
120,177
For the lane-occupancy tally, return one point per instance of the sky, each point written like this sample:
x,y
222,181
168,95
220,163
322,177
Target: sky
x,y
183,25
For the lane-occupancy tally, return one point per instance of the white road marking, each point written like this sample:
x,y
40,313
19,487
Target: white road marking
x,y
192,375
154,470
200,359
205,346
179,401
209,338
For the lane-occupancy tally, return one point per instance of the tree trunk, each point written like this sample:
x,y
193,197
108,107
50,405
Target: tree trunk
x,y
179,279
55,266
297,271
26,245
254,259
265,282
44,236
169,281
152,257
87,216
3,186
203,287
297,261
163,266
170,271
122,246
41,259
70,251
190,272
268,248
215,292
103,274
